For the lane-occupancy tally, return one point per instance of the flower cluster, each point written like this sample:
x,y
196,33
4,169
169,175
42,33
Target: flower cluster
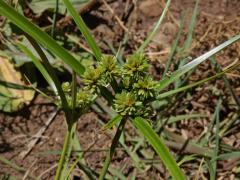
x,y
145,88
102,75
135,66
83,98
126,103
137,88
93,79
134,88
109,67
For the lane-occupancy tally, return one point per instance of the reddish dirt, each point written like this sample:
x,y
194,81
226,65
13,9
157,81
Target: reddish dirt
x,y
217,21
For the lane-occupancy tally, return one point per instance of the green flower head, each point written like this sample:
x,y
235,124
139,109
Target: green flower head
x,y
92,78
145,88
135,66
109,66
126,103
84,99
66,87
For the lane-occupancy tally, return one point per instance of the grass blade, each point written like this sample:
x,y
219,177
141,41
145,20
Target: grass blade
x,y
188,41
14,85
159,147
151,35
172,92
187,45
52,74
112,122
42,37
16,167
226,81
39,66
227,156
174,119
217,139
112,148
117,173
55,19
83,28
173,48
186,68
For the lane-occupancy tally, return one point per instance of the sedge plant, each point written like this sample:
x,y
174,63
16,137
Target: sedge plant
x,y
132,92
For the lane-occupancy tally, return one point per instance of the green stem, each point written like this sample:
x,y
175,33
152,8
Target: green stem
x,y
106,94
55,19
84,29
66,149
72,124
51,72
16,167
114,85
112,148
154,31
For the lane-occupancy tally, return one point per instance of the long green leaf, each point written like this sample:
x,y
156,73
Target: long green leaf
x,y
52,74
172,92
39,66
42,37
226,156
13,85
217,139
226,81
159,147
83,28
112,122
174,119
16,167
184,69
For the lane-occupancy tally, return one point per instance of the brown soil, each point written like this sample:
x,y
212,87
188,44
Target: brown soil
x,y
217,21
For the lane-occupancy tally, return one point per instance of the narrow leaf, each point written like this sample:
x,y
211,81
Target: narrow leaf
x,y
217,139
174,119
39,66
174,47
172,92
184,69
42,37
159,147
112,122
227,156
188,41
83,28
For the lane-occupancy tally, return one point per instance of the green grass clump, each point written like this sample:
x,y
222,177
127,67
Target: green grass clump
x,y
129,89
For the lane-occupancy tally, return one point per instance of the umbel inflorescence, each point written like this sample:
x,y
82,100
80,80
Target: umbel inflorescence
x,y
135,88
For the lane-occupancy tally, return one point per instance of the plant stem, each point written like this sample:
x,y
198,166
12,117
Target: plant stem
x,y
106,94
52,73
54,20
16,167
112,148
69,138
114,85
66,149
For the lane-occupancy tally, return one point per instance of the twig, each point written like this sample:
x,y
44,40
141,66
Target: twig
x,y
79,43
33,142
28,171
114,144
46,171
115,16
199,170
16,167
